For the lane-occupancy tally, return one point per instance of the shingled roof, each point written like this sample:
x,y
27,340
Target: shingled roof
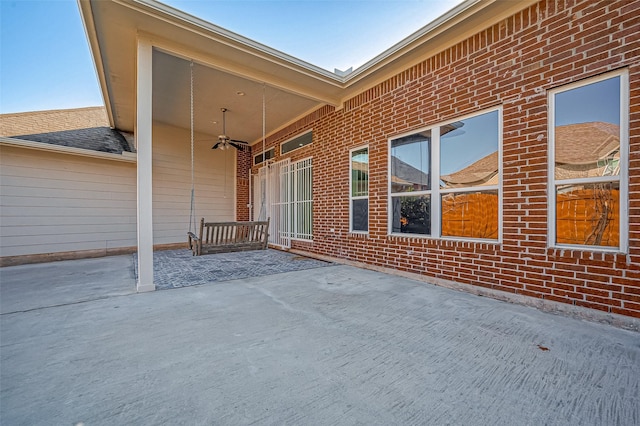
x,y
586,143
482,172
102,139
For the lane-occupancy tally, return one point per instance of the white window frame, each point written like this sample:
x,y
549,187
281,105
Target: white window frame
x,y
296,137
435,192
266,159
622,178
360,197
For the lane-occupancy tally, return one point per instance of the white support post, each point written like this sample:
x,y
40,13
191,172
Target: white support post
x,y
144,144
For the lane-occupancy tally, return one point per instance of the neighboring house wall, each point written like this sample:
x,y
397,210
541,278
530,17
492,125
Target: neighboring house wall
x,y
512,64
26,123
55,202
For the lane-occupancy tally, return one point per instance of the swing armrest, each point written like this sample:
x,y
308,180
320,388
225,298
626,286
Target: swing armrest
x,y
195,244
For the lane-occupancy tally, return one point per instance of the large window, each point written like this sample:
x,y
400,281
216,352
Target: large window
x,y
359,190
588,149
444,181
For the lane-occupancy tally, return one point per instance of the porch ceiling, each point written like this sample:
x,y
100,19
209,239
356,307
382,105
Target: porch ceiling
x,y
227,63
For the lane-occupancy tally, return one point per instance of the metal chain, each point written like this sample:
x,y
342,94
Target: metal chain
x,y
192,214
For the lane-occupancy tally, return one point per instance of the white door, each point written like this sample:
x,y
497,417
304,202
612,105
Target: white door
x,y
271,199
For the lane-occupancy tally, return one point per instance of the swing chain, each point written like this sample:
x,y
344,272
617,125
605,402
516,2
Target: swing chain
x,y
192,214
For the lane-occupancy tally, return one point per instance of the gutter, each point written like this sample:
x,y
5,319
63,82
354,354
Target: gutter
x,y
127,157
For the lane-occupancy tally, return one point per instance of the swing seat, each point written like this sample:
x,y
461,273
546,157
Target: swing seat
x,y
224,237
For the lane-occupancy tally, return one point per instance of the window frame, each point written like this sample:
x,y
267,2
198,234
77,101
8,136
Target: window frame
x,y
436,192
622,178
294,138
359,197
255,163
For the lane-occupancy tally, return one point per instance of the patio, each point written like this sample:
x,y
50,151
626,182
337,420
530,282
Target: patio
x,y
330,345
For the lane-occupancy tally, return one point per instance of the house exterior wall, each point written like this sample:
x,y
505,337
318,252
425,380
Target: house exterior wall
x,y
243,169
512,64
214,183
56,202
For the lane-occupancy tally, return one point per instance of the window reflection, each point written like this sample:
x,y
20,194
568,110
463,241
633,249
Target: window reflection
x,y
586,156
410,159
587,131
360,173
470,214
411,215
360,214
588,214
469,152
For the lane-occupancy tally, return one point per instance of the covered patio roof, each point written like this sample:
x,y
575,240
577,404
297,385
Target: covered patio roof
x,y
232,71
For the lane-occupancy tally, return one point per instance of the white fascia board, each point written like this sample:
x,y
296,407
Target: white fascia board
x,y
128,157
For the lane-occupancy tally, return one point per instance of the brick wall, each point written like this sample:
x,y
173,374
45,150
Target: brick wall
x,y
29,123
512,64
243,167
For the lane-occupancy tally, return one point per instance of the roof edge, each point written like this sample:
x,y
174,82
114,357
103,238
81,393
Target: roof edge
x,y
128,157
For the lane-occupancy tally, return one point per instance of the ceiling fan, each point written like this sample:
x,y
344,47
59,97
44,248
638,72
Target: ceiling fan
x,y
224,141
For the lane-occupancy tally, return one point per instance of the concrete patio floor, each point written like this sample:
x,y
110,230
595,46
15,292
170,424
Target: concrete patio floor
x,y
332,345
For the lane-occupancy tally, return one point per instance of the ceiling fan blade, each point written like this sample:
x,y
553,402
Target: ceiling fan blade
x,y
237,141
216,145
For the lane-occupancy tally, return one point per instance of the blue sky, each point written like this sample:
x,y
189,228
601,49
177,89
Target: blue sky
x,y
45,61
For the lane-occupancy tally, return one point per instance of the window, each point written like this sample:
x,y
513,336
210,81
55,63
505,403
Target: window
x,y
588,156
259,158
359,190
297,142
411,184
444,181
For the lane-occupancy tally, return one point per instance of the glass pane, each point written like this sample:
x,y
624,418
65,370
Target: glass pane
x,y
411,215
469,152
410,163
587,131
360,215
588,214
296,143
360,173
259,158
470,214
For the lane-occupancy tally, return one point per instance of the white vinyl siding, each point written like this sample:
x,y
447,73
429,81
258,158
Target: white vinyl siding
x,y
54,202
214,183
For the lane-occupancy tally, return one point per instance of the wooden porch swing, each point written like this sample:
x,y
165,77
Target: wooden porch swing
x,y
221,237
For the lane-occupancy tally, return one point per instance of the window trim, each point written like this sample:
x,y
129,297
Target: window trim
x,y
266,159
296,137
436,192
622,178
360,197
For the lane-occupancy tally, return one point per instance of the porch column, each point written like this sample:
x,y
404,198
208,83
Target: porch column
x,y
143,145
